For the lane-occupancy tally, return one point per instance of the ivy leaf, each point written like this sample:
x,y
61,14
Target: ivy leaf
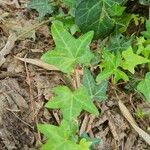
x,y
69,51
146,34
42,6
119,43
144,87
132,60
72,103
97,92
96,15
61,137
111,64
94,141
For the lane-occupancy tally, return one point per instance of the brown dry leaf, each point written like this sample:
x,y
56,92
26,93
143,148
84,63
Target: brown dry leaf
x,y
131,120
39,63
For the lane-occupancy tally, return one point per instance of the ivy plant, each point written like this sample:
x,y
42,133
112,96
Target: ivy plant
x,y
129,63
111,65
72,103
68,54
65,137
69,51
74,56
96,91
98,15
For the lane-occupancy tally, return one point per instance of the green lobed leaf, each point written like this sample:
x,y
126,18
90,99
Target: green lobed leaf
x,y
42,6
60,137
72,103
144,87
69,51
97,92
132,60
97,15
111,64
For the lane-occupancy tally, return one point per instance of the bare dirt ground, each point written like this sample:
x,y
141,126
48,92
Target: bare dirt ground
x,y
24,89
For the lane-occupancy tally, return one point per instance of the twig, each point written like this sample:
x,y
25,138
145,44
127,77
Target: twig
x,y
32,100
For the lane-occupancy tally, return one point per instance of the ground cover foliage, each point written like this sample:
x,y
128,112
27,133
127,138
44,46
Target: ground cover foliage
x,y
98,56
102,20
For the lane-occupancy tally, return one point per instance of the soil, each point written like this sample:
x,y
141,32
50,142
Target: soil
x,y
25,88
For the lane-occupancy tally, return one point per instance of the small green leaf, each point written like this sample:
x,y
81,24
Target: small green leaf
x,y
60,138
132,60
69,51
146,33
94,141
72,103
144,87
42,6
97,92
111,64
